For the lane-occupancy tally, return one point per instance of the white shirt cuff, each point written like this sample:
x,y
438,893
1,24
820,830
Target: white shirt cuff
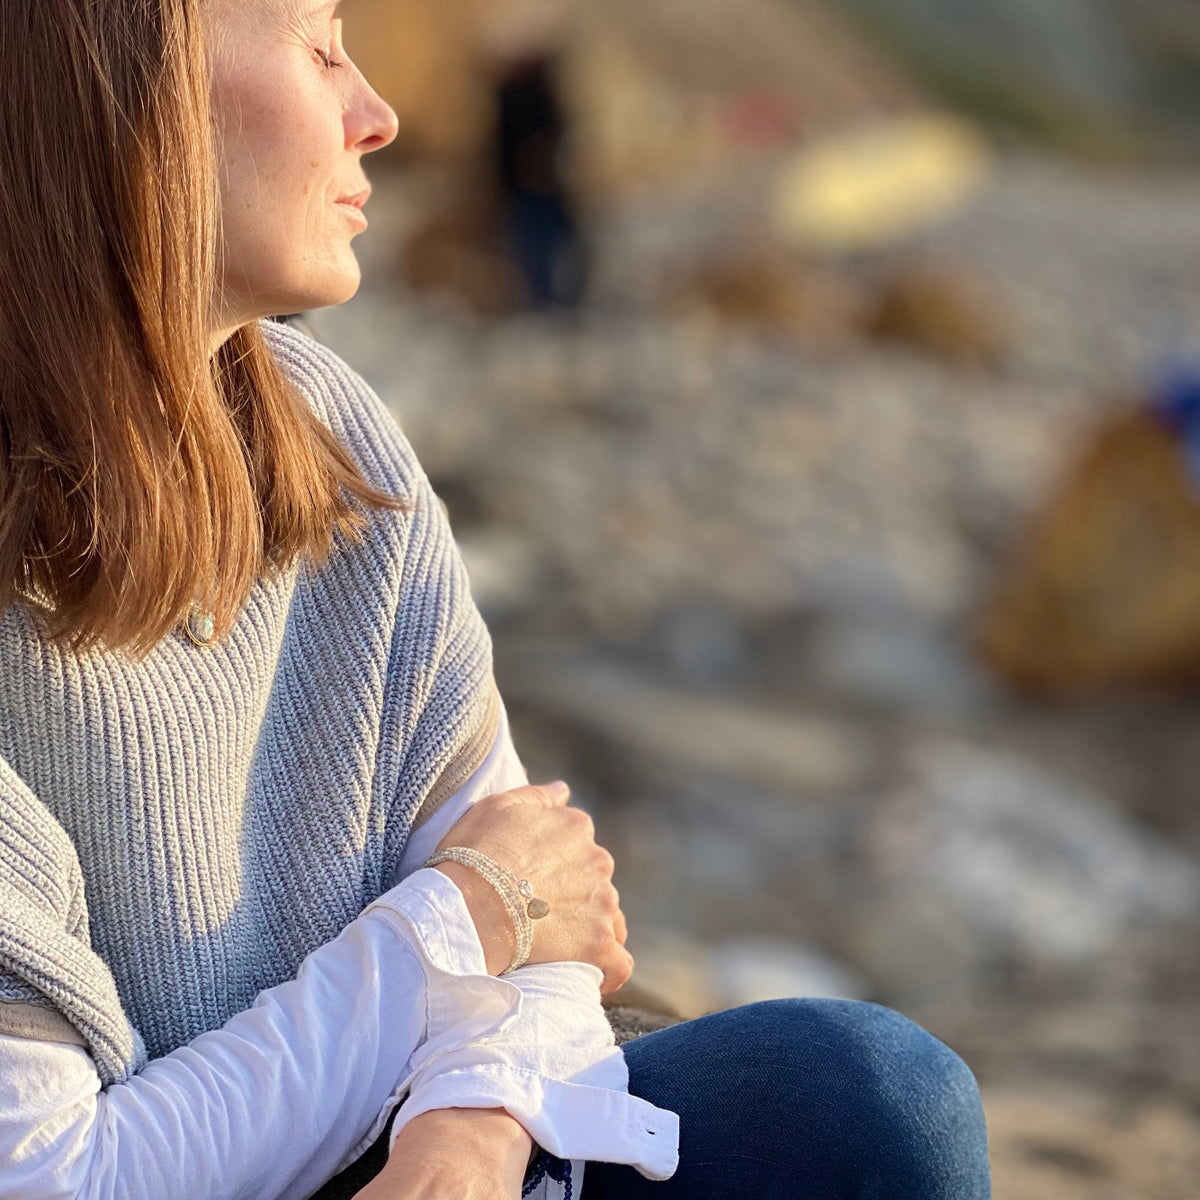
x,y
549,1059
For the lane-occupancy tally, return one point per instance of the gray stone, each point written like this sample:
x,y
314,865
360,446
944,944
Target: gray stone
x,y
908,665
750,969
1034,865
795,752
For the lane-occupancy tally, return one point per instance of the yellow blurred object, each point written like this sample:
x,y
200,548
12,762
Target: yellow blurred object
x,y
872,187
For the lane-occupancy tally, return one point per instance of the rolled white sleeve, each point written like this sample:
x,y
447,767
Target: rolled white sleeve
x,y
268,1106
553,1065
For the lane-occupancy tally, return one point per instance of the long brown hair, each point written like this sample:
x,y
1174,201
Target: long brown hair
x,y
138,473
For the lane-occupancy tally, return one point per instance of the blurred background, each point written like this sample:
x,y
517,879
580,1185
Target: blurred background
x,y
815,392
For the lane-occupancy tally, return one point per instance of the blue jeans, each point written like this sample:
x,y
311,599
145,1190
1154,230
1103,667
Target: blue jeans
x,y
807,1100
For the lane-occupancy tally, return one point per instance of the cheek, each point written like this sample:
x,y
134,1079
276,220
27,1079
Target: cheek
x,y
271,146
270,192
279,166
312,178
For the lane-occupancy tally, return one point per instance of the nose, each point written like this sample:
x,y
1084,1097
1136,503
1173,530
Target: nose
x,y
370,121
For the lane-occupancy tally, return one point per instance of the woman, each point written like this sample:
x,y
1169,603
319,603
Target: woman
x,y
246,697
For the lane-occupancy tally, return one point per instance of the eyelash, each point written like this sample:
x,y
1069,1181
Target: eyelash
x,y
328,62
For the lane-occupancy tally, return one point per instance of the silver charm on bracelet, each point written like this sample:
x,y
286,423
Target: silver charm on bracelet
x,y
537,909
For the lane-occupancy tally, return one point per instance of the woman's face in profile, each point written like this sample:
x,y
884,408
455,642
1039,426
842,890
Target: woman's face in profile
x,y
294,118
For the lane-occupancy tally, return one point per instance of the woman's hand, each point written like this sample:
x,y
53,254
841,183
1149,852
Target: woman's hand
x,y
533,833
455,1154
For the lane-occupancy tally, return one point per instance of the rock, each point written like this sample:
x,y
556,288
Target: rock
x,y
637,449
912,945
507,573
1040,873
701,643
1105,591
936,310
456,253
628,1022
675,968
775,296
901,664
756,742
1071,1143
749,969
687,977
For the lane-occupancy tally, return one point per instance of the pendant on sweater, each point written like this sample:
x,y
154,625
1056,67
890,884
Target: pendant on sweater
x,y
200,626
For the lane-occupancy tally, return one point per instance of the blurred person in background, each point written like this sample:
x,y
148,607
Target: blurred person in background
x,y
543,232
279,913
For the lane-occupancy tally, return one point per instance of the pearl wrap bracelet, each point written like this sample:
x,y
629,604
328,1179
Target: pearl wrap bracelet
x,y
516,895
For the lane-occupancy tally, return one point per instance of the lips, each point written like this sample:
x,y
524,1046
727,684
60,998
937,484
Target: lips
x,y
357,200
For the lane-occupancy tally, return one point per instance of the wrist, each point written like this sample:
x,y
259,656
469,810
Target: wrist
x,y
490,1134
492,923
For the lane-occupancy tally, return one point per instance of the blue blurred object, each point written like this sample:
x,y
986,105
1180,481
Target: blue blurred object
x,y
1175,400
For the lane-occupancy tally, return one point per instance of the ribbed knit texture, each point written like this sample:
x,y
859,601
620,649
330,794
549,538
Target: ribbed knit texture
x,y
176,835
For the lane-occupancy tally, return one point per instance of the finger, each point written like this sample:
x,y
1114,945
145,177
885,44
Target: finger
x,y
549,795
545,796
620,931
617,973
583,819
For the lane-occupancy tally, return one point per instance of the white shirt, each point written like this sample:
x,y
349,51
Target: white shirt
x,y
285,1094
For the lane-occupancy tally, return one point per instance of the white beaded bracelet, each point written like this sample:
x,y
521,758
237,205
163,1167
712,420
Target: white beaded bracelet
x,y
516,895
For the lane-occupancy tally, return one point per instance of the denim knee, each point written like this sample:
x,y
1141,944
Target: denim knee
x,y
843,1097
911,1096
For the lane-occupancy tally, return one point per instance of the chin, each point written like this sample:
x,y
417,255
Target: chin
x,y
327,294
291,291
337,288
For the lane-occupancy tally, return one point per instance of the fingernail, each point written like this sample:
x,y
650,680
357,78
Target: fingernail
x,y
558,789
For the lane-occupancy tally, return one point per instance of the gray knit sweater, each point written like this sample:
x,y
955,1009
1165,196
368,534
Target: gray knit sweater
x,y
177,834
